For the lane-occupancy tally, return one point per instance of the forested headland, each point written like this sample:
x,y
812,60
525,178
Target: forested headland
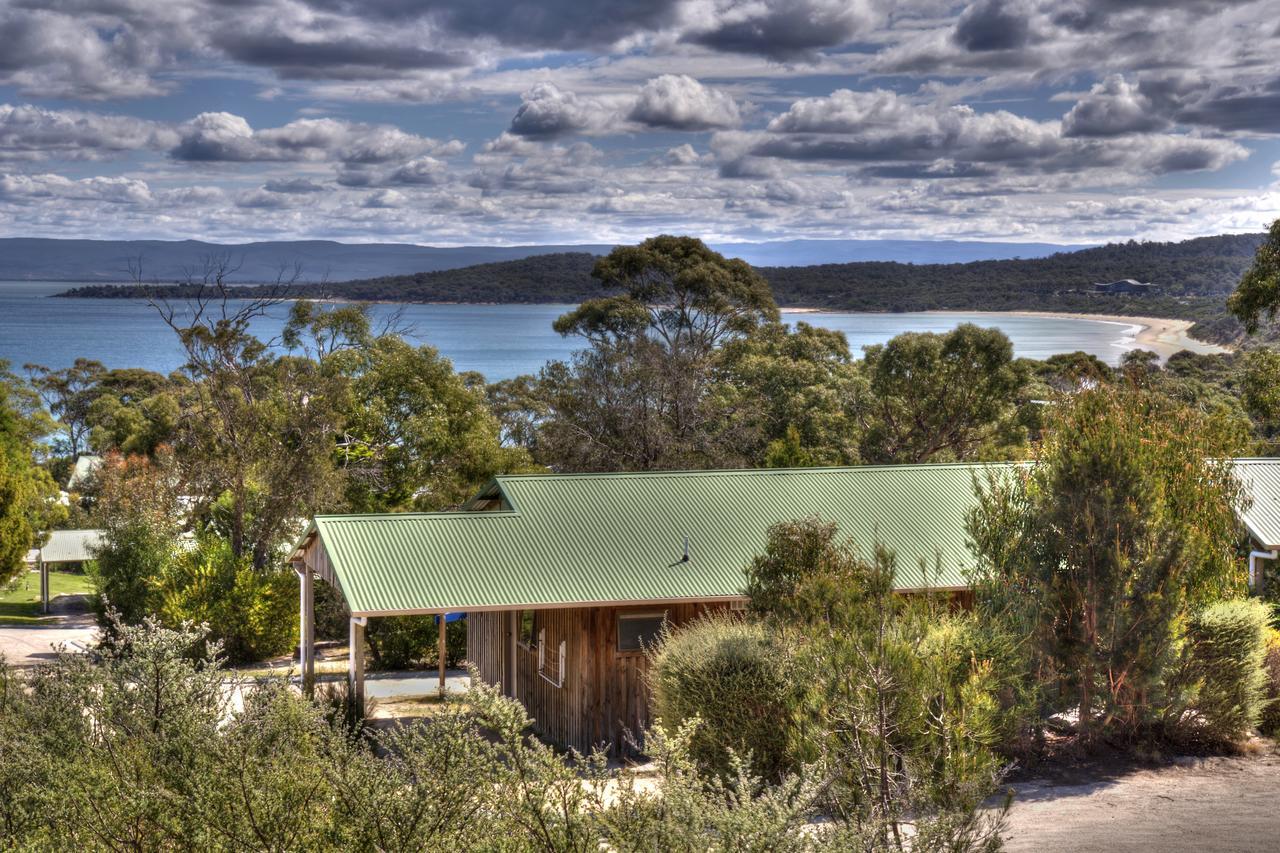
x,y
1194,278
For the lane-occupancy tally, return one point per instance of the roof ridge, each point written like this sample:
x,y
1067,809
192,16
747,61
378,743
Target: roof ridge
x,y
759,472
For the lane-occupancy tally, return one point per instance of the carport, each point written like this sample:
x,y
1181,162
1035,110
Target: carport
x,y
64,546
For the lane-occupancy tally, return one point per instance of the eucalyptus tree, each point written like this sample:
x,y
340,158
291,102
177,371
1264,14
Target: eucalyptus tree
x,y
1102,549
639,396
933,397
1258,293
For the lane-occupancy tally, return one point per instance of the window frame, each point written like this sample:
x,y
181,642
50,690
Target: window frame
x,y
661,615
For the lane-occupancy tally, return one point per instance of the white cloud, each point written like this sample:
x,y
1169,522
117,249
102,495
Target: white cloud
x,y
224,137
679,102
29,132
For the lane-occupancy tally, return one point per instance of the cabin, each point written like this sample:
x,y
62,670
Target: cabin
x,y
1126,285
565,579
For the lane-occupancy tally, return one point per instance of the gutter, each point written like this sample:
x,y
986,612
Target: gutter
x,y
1255,571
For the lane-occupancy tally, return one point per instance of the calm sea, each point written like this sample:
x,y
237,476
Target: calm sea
x,y
500,341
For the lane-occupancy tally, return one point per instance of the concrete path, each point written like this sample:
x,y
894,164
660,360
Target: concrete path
x,y
27,645
405,685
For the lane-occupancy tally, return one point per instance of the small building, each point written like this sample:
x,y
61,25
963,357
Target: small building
x,y
65,547
566,578
85,468
1126,285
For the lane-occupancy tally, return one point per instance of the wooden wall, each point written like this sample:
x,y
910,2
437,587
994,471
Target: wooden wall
x,y
604,694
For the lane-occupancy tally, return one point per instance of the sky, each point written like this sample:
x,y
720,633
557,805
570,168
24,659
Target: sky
x,y
462,122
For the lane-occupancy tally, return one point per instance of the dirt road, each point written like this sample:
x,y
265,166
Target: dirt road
x,y
1196,805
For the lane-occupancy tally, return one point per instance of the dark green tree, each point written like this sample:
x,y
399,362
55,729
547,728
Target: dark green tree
x,y
1258,293
1125,523
640,397
417,435
935,397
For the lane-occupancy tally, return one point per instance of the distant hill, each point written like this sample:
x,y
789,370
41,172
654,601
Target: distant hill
x,y
38,259
1188,273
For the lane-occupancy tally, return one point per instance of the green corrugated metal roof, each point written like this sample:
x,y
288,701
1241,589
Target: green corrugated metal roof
x,y
585,538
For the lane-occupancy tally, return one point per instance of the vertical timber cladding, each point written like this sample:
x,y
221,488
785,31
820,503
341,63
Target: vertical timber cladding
x,y
603,696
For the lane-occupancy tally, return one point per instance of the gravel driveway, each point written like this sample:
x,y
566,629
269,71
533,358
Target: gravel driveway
x,y
1209,804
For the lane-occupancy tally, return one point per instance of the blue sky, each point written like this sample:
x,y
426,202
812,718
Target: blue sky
x,y
494,122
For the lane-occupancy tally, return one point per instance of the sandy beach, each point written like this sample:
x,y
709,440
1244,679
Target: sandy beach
x,y
1158,334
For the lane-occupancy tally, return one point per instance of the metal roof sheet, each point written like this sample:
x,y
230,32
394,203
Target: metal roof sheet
x,y
1261,481
597,538
67,546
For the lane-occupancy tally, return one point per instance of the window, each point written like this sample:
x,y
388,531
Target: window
x,y
639,631
528,629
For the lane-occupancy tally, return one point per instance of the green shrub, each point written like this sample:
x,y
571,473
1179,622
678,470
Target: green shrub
x,y
252,613
1226,648
732,675
407,642
1270,724
962,644
127,568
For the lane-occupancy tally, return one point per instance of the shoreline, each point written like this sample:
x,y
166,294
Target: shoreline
x,y
1161,335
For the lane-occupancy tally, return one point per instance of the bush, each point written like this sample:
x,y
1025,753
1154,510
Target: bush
x,y
252,613
962,644
126,569
730,674
1226,648
1270,724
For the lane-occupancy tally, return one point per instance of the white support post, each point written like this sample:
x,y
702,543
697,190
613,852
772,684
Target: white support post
x,y
306,628
355,670
441,652
44,583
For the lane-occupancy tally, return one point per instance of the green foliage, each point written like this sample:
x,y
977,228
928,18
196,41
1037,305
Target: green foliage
x,y
127,567
796,387
137,510
899,710
644,395
1225,660
690,812
1124,526
402,642
16,535
732,676
417,435
1270,722
251,613
940,396
1258,293
26,491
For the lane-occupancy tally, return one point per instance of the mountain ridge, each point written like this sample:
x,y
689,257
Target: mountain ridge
x,y
107,261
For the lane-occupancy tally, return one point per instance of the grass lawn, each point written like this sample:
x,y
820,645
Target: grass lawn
x,y
20,601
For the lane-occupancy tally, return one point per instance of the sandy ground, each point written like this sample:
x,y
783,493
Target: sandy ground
x,y
1158,334
1210,804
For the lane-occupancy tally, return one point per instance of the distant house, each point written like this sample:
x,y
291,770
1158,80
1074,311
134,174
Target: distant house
x,y
86,467
65,547
1126,285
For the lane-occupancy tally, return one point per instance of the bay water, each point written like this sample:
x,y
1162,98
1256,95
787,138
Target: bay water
x,y
499,341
